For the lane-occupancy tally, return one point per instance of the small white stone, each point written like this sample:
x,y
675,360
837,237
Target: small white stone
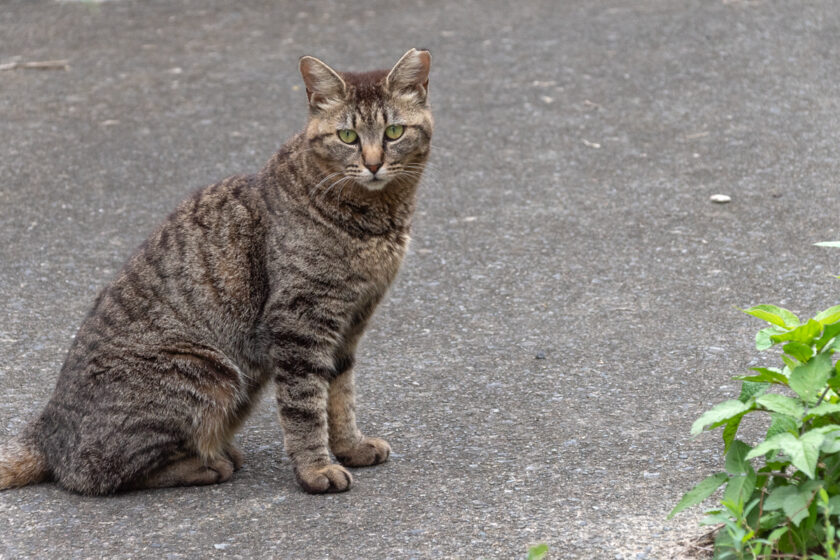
x,y
720,198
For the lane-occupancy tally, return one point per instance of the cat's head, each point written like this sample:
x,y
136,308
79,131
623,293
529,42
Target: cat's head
x,y
373,127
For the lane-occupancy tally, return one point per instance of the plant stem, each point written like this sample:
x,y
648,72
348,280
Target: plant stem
x,y
822,397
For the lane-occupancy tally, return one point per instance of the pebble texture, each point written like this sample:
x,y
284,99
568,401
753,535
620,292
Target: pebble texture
x,y
566,309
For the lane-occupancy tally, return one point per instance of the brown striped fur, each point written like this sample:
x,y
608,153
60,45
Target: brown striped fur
x,y
258,279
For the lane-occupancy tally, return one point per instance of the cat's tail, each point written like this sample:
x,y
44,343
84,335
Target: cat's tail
x,y
21,462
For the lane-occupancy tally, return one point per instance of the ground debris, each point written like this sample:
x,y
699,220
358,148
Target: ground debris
x,y
702,546
37,65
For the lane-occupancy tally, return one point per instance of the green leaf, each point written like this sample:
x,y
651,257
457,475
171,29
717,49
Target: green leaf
x,y
793,500
834,504
790,501
834,382
777,534
700,492
831,444
781,423
723,411
805,333
730,430
781,404
538,552
765,375
740,487
824,409
809,380
803,452
828,244
763,338
770,444
736,462
806,452
775,315
799,350
715,518
771,519
742,484
789,362
830,315
750,389
829,332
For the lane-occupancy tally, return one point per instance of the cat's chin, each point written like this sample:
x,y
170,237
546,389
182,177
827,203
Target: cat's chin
x,y
375,184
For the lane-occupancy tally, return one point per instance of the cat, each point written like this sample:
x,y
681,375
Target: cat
x,y
270,277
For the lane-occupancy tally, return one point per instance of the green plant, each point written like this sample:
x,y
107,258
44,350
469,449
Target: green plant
x,y
787,507
538,552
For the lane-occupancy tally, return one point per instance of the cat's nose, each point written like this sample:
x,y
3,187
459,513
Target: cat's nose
x,y
373,167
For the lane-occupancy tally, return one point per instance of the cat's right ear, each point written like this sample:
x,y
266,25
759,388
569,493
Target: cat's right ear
x,y
324,87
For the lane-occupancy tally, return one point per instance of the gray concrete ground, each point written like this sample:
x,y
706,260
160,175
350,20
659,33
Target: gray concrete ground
x,y
566,215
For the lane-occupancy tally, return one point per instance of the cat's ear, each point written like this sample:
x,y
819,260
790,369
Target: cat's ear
x,y
324,87
410,76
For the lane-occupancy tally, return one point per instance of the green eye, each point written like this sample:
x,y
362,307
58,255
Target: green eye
x,y
394,131
348,136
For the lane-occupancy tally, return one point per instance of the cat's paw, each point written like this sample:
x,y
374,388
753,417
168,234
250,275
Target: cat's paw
x,y
235,455
368,452
223,467
321,479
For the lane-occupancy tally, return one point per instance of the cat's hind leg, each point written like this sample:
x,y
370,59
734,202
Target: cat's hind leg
x,y
140,419
188,471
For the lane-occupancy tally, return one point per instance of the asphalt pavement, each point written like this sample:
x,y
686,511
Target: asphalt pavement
x,y
568,305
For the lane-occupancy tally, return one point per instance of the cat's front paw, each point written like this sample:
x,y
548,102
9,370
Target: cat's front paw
x,y
369,451
322,479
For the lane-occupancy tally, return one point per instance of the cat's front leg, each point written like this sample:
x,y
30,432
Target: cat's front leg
x,y
302,404
350,446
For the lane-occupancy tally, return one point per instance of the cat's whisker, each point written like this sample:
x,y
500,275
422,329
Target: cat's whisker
x,y
418,177
325,179
341,190
437,146
431,173
336,183
422,166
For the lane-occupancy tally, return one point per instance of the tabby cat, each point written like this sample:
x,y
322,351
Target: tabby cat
x,y
258,278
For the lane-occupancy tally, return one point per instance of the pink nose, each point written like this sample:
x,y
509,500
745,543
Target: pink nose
x,y
373,168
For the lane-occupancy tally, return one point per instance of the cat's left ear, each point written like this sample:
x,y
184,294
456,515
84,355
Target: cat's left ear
x,y
410,76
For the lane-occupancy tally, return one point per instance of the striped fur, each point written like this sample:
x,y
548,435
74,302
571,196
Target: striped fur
x,y
258,279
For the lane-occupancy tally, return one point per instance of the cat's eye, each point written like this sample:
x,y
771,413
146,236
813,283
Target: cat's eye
x,y
348,136
394,131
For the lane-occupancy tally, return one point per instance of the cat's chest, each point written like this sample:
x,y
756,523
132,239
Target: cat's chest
x,y
364,267
377,261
